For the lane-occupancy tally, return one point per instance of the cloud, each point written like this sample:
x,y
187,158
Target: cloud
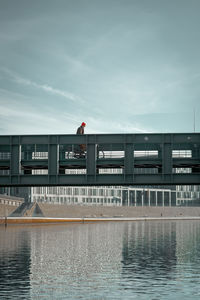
x,y
44,87
99,125
18,117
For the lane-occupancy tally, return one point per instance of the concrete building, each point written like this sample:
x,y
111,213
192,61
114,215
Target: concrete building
x,y
129,196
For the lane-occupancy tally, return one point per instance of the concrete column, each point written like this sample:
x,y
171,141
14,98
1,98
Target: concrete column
x,y
135,197
170,199
149,196
143,198
128,194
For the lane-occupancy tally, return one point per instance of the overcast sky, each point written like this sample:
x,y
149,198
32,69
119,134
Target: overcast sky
x,y
121,66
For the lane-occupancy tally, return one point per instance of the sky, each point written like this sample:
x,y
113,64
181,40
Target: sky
x,y
121,66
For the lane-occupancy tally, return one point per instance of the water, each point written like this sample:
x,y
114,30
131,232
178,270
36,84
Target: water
x,y
131,260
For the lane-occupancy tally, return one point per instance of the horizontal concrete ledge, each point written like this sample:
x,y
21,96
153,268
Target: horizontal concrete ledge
x,y
40,220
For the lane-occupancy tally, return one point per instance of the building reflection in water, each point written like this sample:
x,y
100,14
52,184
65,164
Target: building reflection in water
x,y
121,260
14,263
149,250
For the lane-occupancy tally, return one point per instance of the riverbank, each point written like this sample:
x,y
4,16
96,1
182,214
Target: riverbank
x,y
43,220
55,213
81,211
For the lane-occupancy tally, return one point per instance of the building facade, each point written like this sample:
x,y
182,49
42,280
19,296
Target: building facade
x,y
108,196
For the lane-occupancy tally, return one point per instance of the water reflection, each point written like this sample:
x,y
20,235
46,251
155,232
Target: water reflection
x,y
74,261
148,247
145,260
158,259
14,264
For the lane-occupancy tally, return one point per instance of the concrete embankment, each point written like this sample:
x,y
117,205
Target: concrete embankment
x,y
80,211
6,209
43,220
55,213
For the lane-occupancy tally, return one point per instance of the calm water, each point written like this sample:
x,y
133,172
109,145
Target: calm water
x,y
133,260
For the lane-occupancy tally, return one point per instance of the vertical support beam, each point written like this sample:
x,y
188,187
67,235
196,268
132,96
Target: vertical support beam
x,y
196,155
167,161
91,159
52,159
15,160
160,151
15,156
128,162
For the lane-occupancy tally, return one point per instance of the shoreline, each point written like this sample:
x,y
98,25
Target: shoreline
x,y
45,213
46,220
